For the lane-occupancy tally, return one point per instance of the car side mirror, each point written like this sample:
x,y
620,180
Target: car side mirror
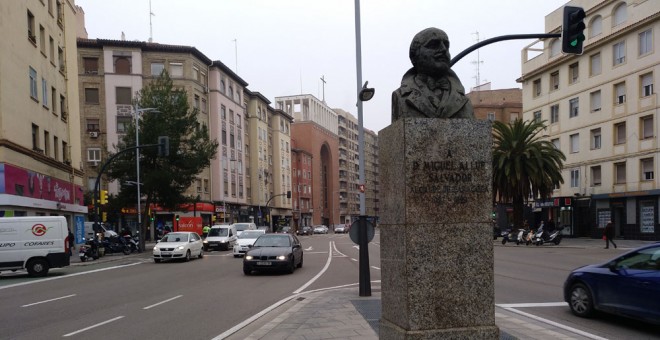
x,y
612,267
250,245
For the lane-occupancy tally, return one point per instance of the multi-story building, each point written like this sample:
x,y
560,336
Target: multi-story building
x,y
504,105
258,153
315,131
40,164
349,166
371,175
301,173
602,112
279,135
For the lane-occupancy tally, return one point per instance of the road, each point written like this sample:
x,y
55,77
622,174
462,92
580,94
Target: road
x,y
210,297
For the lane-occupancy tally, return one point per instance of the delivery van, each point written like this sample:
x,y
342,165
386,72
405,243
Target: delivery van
x,y
35,243
100,228
221,236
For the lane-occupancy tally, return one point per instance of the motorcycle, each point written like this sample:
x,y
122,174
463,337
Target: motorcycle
x,y
543,236
89,250
132,243
510,236
115,245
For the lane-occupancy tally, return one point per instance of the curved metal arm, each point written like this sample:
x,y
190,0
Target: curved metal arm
x,y
501,38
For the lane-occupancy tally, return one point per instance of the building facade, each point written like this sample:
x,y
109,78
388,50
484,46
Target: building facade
x,y
301,173
503,105
602,112
40,164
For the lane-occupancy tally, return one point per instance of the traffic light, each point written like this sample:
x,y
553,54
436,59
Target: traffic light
x,y
151,217
288,194
104,197
176,217
163,146
572,29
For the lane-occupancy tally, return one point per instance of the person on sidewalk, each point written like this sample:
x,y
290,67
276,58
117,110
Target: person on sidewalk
x,y
608,235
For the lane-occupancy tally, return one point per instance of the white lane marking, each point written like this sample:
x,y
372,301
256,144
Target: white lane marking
x,y
374,267
316,252
309,249
68,275
356,247
50,300
334,246
327,265
539,304
558,325
93,326
162,302
354,259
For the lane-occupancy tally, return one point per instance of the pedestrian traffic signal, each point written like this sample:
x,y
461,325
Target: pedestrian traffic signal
x,y
104,197
163,146
573,26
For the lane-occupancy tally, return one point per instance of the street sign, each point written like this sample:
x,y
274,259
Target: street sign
x,y
353,232
361,187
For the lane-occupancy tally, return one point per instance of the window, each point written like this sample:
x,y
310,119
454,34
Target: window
x,y
63,109
51,48
537,87
122,64
555,47
123,96
513,116
196,102
554,113
44,92
620,173
206,185
230,93
619,53
596,26
574,107
619,93
594,98
91,96
46,143
91,65
123,123
157,69
65,153
647,169
620,15
574,73
575,178
645,42
620,133
94,155
176,70
31,29
575,143
595,176
222,85
195,73
595,64
203,105
42,40
224,137
33,84
223,112
198,183
93,124
490,116
595,139
647,85
60,58
554,80
537,116
35,137
646,125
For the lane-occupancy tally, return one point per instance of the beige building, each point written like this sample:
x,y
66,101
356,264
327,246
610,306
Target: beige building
x,y
371,174
504,105
40,164
602,112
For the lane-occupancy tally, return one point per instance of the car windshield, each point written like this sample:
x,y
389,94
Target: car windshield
x,y
175,237
218,232
272,241
250,234
241,226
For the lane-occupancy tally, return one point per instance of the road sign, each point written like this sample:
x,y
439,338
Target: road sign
x,y
353,232
361,187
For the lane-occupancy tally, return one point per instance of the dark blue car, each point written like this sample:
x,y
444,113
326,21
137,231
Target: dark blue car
x,y
628,285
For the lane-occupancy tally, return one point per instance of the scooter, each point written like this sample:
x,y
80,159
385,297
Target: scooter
x,y
114,245
132,243
89,250
509,236
542,236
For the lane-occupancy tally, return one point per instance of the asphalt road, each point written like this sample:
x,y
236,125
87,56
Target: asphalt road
x,y
201,299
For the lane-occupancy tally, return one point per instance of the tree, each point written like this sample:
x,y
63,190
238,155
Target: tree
x,y
163,179
524,166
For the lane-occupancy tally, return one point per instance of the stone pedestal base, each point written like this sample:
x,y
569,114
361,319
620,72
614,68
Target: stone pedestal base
x,y
436,230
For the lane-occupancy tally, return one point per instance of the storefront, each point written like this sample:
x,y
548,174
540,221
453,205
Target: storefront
x,y
633,214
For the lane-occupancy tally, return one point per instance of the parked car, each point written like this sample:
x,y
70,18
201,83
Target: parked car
x,y
178,245
284,230
628,285
245,241
274,252
320,229
306,230
341,228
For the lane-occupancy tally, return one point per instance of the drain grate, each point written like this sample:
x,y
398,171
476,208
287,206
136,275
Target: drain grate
x,y
370,311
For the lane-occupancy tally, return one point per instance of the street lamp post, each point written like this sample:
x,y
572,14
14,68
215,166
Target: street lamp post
x,y
136,115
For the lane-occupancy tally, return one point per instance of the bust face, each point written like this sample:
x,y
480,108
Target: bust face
x,y
432,56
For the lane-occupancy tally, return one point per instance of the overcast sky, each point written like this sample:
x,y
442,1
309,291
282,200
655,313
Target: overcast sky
x,y
285,46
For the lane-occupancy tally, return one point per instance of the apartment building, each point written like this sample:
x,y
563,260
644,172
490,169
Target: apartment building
x,y
259,155
279,134
315,129
503,105
371,175
602,112
301,173
40,164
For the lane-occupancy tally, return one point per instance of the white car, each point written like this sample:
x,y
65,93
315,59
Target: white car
x,y
320,229
245,240
178,245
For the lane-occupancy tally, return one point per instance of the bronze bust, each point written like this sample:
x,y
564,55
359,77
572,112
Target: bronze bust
x,y
430,89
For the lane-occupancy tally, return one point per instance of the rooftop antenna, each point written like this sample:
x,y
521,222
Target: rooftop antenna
x,y
323,81
236,54
151,29
477,63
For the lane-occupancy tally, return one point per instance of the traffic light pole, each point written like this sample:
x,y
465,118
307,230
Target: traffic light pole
x,y
501,38
270,217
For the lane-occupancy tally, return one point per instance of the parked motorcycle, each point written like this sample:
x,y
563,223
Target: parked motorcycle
x,y
114,245
132,243
543,236
89,250
511,236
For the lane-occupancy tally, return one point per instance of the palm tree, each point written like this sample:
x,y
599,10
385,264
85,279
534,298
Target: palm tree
x,y
524,166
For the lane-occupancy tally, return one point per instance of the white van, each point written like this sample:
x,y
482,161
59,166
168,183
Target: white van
x,y
35,243
221,236
244,226
89,230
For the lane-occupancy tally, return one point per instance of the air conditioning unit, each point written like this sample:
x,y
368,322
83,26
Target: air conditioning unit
x,y
94,134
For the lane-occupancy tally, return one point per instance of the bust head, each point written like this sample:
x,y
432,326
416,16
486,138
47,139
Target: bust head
x,y
429,52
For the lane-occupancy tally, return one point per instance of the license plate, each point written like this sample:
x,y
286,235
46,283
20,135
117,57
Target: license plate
x,y
264,263
165,253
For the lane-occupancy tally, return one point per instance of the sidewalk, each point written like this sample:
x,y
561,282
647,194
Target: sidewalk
x,y
343,314
75,258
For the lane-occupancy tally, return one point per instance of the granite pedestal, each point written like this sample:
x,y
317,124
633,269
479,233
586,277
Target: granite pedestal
x,y
436,230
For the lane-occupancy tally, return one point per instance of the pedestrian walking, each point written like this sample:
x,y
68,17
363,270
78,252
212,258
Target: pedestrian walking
x,y
71,245
608,235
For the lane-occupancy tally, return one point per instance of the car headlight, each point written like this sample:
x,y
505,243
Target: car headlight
x,y
180,247
156,248
248,257
205,241
281,257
